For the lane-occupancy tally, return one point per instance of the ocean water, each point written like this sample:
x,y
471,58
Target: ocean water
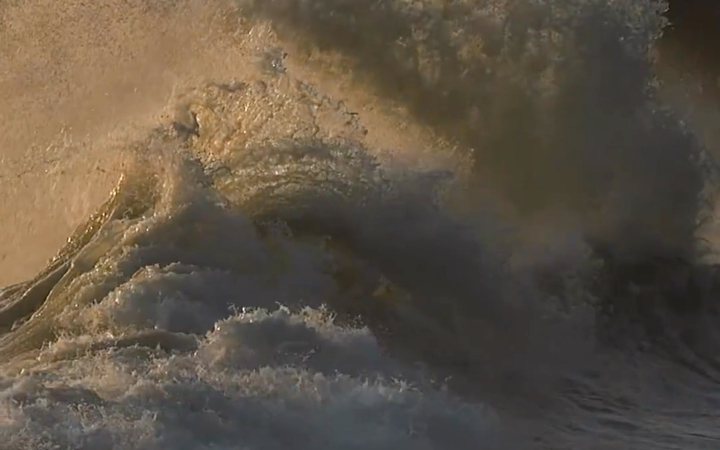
x,y
349,224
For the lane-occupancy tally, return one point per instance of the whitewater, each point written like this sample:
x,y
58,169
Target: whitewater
x,y
353,224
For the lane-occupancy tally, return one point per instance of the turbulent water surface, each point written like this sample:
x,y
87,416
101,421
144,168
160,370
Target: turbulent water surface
x,y
349,224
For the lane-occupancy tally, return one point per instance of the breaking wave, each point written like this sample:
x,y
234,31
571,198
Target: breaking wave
x,y
349,224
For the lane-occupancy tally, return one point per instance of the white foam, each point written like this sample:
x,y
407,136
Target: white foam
x,y
259,380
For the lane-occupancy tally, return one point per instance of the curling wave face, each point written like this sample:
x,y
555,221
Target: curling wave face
x,y
268,274
245,214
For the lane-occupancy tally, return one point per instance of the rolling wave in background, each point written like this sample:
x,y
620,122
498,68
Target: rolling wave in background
x,y
345,224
